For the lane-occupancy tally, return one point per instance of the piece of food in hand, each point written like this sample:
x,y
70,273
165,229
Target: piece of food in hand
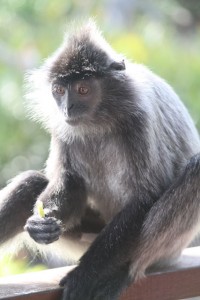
x,y
40,208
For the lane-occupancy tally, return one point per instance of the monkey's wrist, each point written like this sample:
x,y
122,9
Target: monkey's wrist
x,y
44,212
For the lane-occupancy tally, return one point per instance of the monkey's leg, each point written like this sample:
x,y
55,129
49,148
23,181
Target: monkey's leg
x,y
17,200
172,222
104,269
138,236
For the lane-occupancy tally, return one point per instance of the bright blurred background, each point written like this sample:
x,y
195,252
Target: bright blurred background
x,y
164,35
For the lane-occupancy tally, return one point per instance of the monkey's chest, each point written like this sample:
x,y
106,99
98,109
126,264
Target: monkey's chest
x,y
107,180
108,193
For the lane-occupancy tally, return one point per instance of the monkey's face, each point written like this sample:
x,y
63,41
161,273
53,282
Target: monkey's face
x,y
77,99
82,88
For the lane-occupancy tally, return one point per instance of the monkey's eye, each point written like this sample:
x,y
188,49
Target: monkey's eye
x,y
83,90
58,89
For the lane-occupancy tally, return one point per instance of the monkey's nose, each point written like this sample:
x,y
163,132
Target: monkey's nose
x,y
70,107
70,110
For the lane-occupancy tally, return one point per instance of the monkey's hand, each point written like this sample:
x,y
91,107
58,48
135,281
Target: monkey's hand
x,y
43,230
81,284
76,287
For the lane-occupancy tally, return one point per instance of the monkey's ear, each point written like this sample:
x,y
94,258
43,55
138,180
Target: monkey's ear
x,y
117,66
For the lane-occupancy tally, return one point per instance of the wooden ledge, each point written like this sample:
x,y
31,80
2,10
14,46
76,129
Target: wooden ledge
x,y
182,280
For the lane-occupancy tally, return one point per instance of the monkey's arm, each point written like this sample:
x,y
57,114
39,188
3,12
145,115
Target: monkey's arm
x,y
17,200
137,237
64,206
64,199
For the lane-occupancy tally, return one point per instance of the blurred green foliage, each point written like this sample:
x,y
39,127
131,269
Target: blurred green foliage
x,y
9,266
164,35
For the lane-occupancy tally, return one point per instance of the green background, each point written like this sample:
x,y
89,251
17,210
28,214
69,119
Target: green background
x,y
164,35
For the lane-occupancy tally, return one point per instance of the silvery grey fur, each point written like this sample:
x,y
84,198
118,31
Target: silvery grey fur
x,y
132,157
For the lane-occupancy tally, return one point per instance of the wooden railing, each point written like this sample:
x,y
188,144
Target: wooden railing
x,y
180,281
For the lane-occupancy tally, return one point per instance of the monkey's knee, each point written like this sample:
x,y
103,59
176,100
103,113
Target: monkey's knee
x,y
34,180
195,161
32,176
27,185
193,167
17,200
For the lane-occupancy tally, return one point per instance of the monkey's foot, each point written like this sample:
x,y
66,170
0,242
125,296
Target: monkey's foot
x,y
79,284
43,230
76,287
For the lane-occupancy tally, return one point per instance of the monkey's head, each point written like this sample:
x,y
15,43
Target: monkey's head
x,y
85,82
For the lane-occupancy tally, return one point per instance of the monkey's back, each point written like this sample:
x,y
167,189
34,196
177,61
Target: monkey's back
x,y
173,135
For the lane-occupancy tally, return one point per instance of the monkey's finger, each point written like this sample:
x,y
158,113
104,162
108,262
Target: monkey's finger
x,y
36,219
43,228
45,238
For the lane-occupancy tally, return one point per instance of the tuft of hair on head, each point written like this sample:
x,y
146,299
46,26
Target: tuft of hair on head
x,y
84,52
87,32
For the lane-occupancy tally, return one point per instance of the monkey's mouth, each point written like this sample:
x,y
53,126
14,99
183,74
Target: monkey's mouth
x,y
77,119
73,121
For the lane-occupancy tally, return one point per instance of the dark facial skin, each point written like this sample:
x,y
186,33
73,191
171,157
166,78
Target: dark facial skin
x,y
77,99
